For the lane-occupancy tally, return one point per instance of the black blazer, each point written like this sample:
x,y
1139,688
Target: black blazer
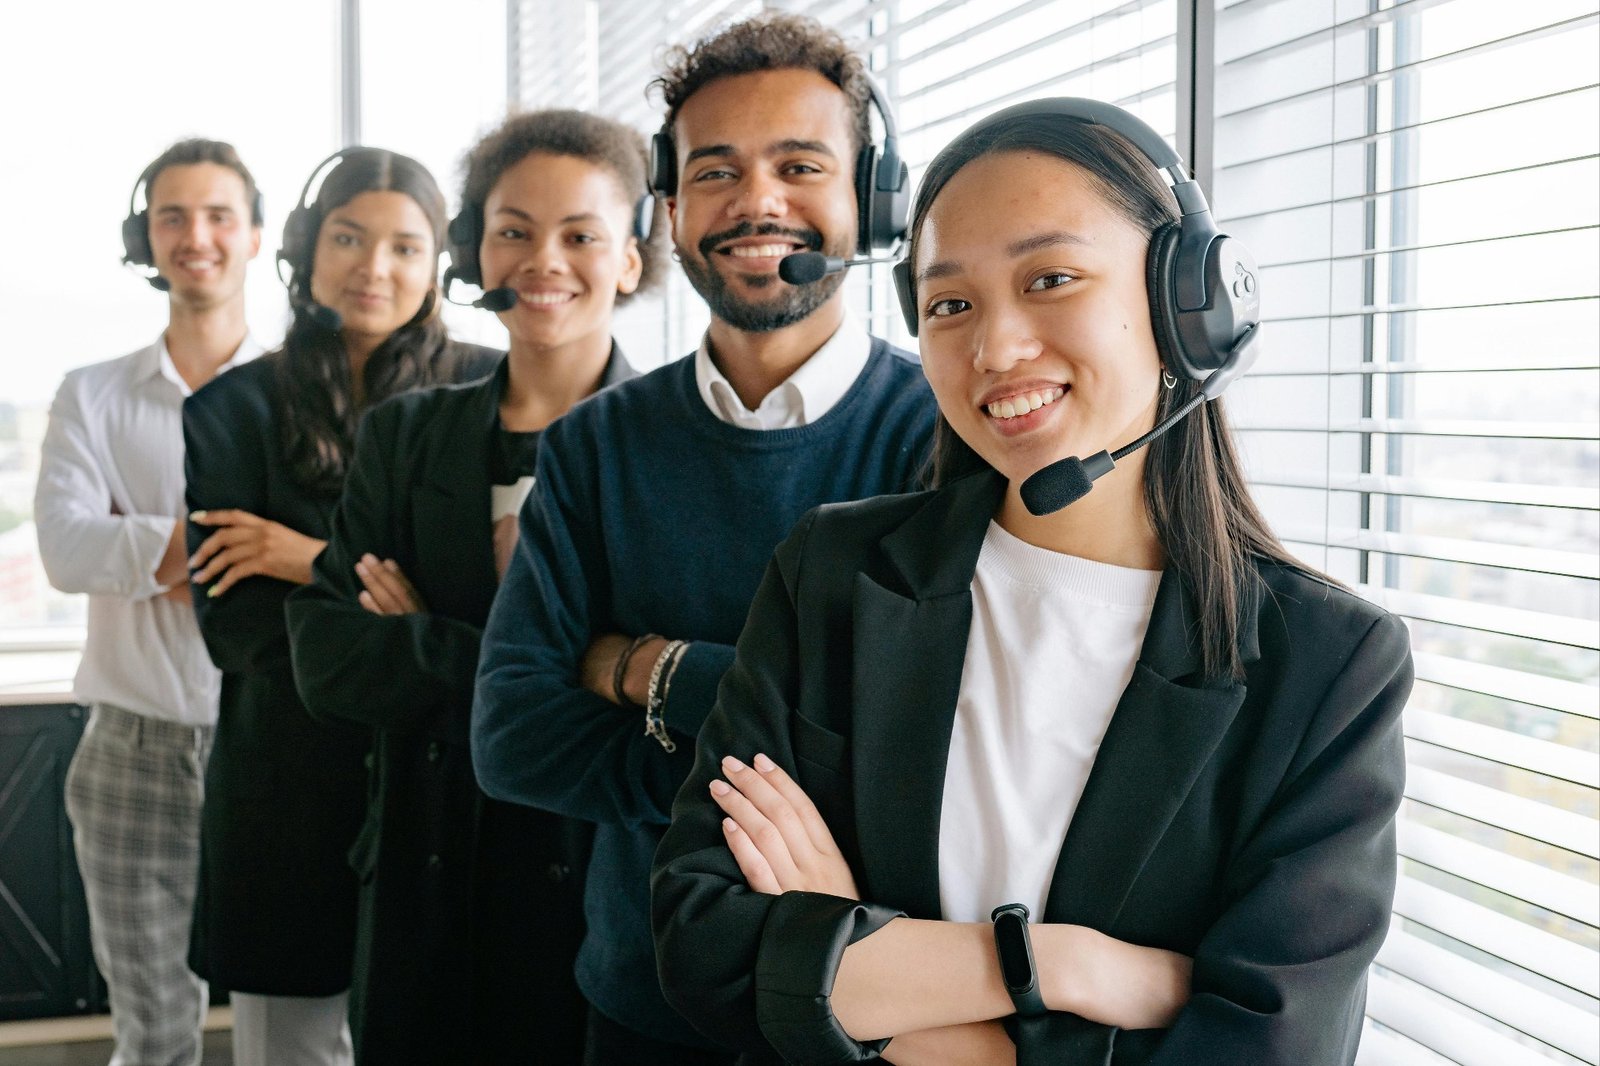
x,y
456,889
275,913
1249,825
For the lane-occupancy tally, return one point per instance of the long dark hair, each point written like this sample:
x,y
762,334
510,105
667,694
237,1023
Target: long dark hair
x,y
319,415
1194,487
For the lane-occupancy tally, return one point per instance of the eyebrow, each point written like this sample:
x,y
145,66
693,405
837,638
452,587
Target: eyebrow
x,y
581,216
784,147
944,268
170,209
359,228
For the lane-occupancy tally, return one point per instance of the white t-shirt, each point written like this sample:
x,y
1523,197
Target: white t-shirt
x,y
1053,644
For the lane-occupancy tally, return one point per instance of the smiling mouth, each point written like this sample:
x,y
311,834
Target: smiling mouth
x,y
760,251
546,299
1027,403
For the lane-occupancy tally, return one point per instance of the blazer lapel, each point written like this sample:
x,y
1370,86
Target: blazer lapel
x,y
453,529
910,643
1161,735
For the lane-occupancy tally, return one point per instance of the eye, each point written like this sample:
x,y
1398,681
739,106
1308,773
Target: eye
x,y
802,168
583,238
714,174
344,240
947,308
407,251
1053,280
510,233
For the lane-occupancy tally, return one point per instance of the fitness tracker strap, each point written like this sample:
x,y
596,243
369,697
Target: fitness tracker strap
x,y
1015,949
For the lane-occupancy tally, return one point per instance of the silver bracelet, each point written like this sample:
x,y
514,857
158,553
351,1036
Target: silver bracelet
x,y
654,722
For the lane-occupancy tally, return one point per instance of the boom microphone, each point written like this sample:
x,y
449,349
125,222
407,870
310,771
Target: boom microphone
x,y
1066,481
324,316
502,299
802,268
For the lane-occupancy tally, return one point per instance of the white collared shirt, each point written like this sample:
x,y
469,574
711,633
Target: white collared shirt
x,y
805,396
110,492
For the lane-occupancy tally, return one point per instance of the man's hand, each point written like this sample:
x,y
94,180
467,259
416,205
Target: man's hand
x,y
388,590
246,546
599,666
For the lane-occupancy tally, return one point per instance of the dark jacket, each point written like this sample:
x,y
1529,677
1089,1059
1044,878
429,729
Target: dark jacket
x,y
275,914
1249,825
460,895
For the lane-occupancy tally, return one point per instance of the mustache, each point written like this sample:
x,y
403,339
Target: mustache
x,y
811,238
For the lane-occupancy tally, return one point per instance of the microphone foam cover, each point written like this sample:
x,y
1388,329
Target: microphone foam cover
x,y
802,268
501,299
1053,487
159,283
326,317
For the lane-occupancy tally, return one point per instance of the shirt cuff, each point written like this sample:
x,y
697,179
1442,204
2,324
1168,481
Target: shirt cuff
x,y
801,944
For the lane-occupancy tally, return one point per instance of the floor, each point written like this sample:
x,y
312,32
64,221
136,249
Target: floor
x,y
86,1041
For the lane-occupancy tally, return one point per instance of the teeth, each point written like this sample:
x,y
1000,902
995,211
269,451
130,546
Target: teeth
x,y
1024,404
546,299
760,251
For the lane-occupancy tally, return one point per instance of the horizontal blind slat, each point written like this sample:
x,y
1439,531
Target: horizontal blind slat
x,y
1486,617
1496,870
1423,1018
1568,497
1558,761
1452,550
1499,935
1493,995
1535,690
1515,814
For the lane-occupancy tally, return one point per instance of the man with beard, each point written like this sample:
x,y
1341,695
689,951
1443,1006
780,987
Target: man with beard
x,y
657,503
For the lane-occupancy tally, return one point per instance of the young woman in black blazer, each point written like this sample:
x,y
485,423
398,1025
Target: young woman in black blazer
x,y
266,454
470,908
1235,808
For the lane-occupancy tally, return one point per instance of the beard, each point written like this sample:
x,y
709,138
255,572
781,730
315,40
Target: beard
x,y
787,305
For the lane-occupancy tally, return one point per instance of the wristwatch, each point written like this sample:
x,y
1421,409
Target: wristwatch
x,y
1015,948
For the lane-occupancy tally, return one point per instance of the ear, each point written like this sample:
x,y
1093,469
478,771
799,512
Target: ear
x,y
255,241
632,267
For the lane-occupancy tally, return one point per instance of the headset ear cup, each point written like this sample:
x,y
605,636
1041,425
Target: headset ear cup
x,y
865,177
663,165
1163,301
136,248
644,217
891,200
465,232
905,290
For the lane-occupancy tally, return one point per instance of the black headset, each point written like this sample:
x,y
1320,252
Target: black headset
x,y
1204,301
136,250
301,227
883,185
466,233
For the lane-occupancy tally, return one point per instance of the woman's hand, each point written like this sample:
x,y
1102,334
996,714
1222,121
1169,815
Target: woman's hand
x,y
388,590
246,546
776,834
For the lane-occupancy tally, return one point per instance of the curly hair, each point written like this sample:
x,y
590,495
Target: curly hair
x,y
606,144
773,40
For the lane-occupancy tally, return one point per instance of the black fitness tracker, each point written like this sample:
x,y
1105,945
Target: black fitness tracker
x,y
1015,948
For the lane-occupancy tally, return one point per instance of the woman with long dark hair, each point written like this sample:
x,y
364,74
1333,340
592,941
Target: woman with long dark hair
x,y
266,453
994,779
470,908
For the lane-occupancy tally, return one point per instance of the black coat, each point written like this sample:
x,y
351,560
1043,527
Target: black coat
x,y
275,913
470,913
1249,825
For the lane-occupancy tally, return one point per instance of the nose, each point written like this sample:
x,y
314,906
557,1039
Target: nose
x,y
760,195
1005,336
545,257
377,261
197,230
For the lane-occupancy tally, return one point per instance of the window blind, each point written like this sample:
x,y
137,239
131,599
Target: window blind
x,y
1418,181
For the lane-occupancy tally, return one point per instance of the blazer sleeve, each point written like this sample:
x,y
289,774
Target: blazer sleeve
x,y
538,736
392,672
227,450
746,968
1281,976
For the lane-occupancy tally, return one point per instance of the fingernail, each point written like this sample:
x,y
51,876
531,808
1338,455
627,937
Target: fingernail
x,y
361,565
764,764
196,516
720,788
730,826
192,562
731,764
213,592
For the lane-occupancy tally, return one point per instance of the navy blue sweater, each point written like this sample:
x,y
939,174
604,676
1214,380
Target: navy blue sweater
x,y
649,515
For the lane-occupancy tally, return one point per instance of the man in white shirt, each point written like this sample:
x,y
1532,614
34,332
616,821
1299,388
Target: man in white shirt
x,y
109,508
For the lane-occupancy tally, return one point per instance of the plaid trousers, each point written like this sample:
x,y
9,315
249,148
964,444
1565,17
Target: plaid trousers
x,y
134,791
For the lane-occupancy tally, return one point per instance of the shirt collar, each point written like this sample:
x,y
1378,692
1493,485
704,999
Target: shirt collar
x,y
162,363
805,396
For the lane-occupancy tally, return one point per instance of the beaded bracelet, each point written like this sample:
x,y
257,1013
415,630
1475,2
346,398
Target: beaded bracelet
x,y
620,671
655,724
